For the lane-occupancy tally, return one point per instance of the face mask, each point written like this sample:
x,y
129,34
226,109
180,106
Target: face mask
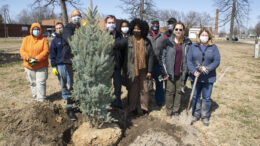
x,y
170,27
124,29
59,31
155,28
76,19
36,33
136,33
111,27
204,39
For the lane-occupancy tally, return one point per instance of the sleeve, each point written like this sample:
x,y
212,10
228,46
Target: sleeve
x,y
53,53
216,61
23,53
162,59
150,59
190,64
45,53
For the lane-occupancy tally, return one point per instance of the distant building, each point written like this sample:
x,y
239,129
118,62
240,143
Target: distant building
x,y
194,31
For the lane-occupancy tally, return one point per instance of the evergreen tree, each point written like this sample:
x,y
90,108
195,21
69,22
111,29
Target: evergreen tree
x,y
93,68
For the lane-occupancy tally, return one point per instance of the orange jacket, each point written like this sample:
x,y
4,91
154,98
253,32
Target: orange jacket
x,y
35,47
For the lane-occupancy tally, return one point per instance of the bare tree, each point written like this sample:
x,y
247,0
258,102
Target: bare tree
x,y
204,20
62,4
1,19
257,29
233,12
143,9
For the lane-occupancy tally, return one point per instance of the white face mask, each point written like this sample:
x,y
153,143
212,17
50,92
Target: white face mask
x,y
124,29
170,27
204,39
111,27
36,33
76,19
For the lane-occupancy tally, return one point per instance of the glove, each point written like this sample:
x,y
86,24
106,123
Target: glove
x,y
55,71
32,61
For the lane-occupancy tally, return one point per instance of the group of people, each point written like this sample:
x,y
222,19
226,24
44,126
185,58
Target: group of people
x,y
141,53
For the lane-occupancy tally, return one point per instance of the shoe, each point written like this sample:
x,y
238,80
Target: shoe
x,y
71,115
205,122
117,104
194,119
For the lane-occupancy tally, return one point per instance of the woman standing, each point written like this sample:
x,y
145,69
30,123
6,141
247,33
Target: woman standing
x,y
203,58
174,68
139,63
35,52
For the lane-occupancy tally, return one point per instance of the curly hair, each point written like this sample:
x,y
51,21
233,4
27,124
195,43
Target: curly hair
x,y
143,25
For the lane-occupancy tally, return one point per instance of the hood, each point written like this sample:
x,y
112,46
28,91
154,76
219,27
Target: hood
x,y
36,25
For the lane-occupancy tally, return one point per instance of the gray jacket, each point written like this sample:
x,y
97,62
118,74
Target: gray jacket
x,y
167,58
157,44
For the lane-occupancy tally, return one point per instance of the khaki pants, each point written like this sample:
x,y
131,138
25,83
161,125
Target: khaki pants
x,y
173,95
139,93
37,79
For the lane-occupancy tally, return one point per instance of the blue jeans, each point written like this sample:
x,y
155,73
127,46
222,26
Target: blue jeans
x,y
202,109
64,79
159,92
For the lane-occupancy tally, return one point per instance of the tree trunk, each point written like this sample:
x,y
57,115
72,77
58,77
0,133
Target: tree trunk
x,y
64,12
142,10
232,19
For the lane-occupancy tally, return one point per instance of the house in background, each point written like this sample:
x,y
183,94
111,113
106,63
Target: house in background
x,y
194,31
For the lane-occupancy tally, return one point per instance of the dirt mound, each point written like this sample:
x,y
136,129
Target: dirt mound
x,y
37,124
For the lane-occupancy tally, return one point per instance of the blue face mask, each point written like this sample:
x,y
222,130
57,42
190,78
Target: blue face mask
x,y
155,28
36,33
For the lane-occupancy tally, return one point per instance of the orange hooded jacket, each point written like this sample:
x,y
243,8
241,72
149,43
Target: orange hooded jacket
x,y
35,47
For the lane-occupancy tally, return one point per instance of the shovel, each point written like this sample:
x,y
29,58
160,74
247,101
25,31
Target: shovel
x,y
192,92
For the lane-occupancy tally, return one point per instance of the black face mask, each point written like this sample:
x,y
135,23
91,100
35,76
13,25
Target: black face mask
x,y
136,33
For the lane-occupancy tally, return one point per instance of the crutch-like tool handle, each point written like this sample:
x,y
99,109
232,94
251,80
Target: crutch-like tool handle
x,y
192,91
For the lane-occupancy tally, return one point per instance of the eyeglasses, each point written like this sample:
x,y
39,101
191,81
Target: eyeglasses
x,y
177,29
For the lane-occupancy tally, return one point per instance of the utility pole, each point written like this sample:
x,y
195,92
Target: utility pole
x,y
142,10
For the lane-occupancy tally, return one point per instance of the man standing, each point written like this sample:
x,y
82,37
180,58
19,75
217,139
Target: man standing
x,y
57,61
68,32
157,39
171,23
110,21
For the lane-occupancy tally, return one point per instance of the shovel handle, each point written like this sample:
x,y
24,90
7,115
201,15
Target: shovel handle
x,y
192,91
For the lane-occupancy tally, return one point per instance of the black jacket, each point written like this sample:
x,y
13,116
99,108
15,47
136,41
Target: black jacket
x,y
68,32
119,50
56,51
167,58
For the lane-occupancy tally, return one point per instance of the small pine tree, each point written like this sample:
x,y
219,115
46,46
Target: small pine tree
x,y
93,68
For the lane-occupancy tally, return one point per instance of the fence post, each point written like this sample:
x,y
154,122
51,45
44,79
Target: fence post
x,y
256,48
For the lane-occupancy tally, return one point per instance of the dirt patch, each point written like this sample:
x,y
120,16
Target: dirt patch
x,y
149,131
9,58
38,124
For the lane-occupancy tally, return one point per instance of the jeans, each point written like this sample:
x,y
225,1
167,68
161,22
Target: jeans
x,y
37,79
117,86
159,92
64,79
201,109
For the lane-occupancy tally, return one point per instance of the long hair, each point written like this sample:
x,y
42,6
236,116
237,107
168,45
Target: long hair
x,y
143,25
183,31
210,41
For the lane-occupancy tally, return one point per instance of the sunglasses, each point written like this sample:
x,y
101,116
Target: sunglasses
x,y
177,29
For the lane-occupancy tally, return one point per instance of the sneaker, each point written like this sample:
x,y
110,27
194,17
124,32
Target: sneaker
x,y
205,122
194,119
71,115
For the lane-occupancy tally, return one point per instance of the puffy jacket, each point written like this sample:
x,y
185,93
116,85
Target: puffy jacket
x,y
56,51
211,62
157,44
167,58
68,32
35,47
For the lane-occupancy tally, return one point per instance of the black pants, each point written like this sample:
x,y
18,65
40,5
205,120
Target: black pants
x,y
117,85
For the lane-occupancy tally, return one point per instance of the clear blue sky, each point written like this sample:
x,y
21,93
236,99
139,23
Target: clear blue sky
x,y
113,7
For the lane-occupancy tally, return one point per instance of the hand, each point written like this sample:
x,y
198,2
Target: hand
x,y
148,75
196,74
204,70
32,61
55,71
166,77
